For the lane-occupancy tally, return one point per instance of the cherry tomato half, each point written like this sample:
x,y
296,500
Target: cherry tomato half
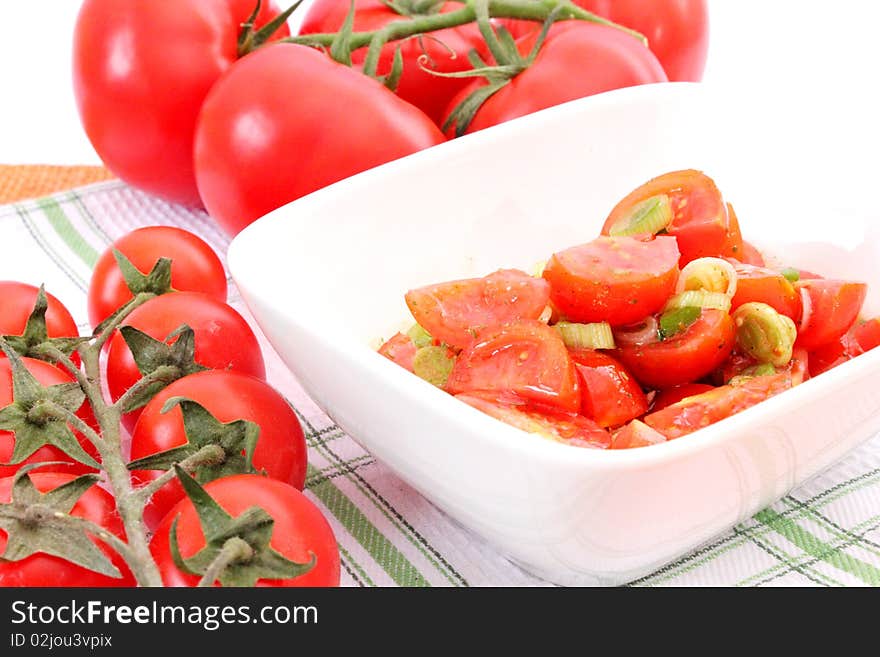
x,y
609,394
401,349
766,286
830,307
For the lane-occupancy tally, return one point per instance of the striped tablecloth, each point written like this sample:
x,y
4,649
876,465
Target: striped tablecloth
x,y
825,533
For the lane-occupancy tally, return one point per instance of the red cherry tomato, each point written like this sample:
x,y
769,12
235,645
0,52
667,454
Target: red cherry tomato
x,y
401,349
609,394
700,221
567,428
223,339
862,337
867,334
830,307
686,356
444,51
16,303
47,375
299,531
195,267
766,286
525,357
279,125
619,280
452,312
677,30
704,409
43,570
281,448
799,367
578,59
141,70
675,394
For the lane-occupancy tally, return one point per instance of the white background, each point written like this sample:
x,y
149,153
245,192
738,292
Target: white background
x,y
817,60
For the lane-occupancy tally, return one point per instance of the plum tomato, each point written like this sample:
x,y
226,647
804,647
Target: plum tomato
x,y
609,394
223,339
195,267
44,570
766,286
525,357
699,411
452,312
281,448
567,428
685,357
299,530
700,220
619,280
830,308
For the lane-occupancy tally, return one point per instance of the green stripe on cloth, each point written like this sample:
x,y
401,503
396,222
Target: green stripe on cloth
x,y
36,232
364,532
812,545
65,229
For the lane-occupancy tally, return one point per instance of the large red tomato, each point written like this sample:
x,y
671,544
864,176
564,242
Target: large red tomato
x,y
286,121
141,70
578,59
299,531
41,569
677,30
228,396
195,267
444,51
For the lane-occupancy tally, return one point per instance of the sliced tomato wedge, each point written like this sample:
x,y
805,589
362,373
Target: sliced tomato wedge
x,y
568,428
609,394
675,394
453,312
701,410
830,308
700,221
733,244
401,349
799,367
618,280
636,434
867,334
684,357
862,337
766,286
525,357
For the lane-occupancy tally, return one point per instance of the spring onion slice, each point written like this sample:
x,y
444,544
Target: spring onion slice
x,y
546,314
710,274
420,337
791,274
538,268
434,365
648,217
699,299
586,336
764,334
677,320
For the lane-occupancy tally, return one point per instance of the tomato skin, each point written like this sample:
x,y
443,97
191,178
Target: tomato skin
x,y
685,357
278,126
281,449
675,394
567,428
867,334
833,308
700,220
609,394
525,357
43,570
766,286
299,530
451,312
677,30
446,50
47,375
141,70
195,267
401,349
619,280
635,434
862,337
222,336
590,58
701,410
17,301
749,255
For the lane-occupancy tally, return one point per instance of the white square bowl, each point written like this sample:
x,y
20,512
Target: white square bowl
x,y
325,278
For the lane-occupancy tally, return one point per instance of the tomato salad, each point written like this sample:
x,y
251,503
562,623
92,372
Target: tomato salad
x,y
664,324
